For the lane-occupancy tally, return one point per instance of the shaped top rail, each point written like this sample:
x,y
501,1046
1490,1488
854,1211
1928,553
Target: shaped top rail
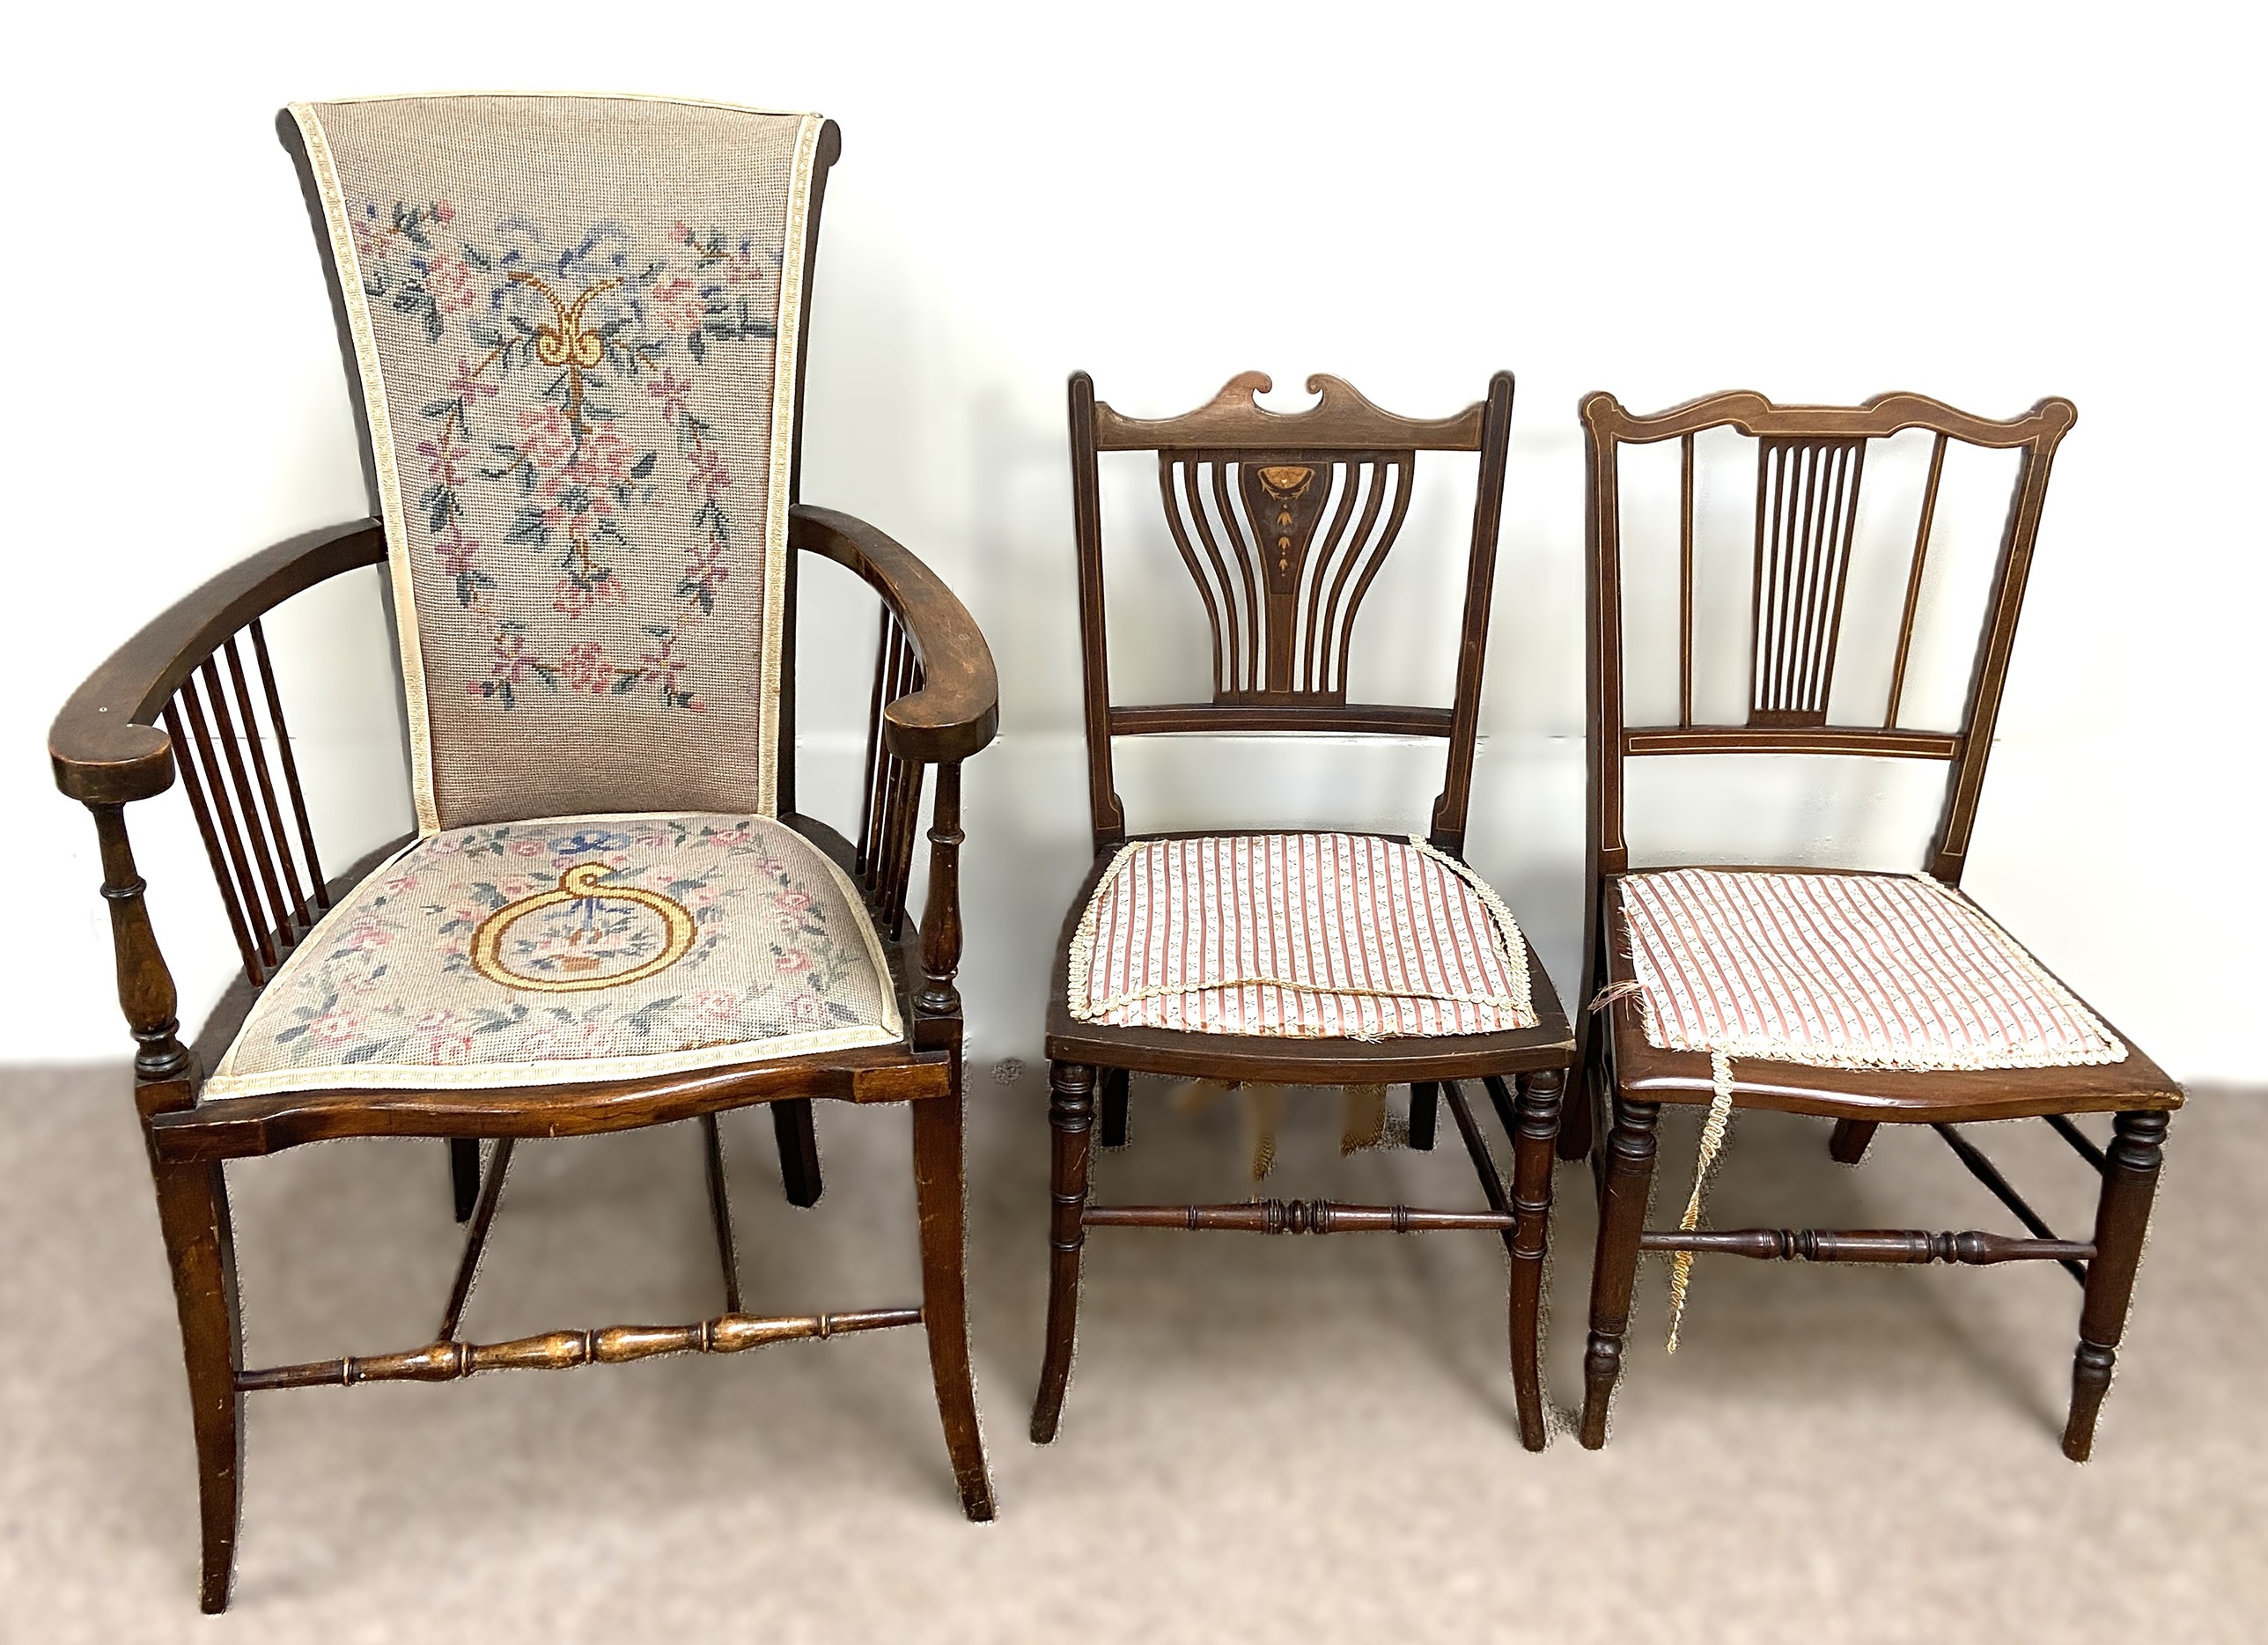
x,y
1884,415
1340,420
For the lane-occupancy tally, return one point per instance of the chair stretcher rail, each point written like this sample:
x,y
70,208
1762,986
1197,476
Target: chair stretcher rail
x,y
1894,1245
564,1350
1294,1216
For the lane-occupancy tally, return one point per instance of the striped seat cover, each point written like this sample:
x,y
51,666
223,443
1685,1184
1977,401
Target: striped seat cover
x,y
1297,935
1845,970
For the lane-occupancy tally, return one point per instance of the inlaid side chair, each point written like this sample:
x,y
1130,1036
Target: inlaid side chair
x,y
577,325
1303,958
1865,998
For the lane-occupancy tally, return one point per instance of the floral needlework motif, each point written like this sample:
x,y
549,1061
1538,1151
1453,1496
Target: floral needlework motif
x,y
573,949
576,493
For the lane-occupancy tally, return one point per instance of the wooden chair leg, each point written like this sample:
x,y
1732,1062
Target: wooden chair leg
x,y
720,1208
1114,1108
2122,1217
798,1135
465,1174
1848,1145
1613,1272
193,1212
1071,1120
1576,1118
940,1192
1535,1134
1424,1113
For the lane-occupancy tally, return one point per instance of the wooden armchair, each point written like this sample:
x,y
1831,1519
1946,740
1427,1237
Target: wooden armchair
x,y
577,327
1305,958
1865,998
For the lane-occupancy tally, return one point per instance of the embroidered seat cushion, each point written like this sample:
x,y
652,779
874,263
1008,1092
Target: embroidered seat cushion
x,y
1347,936
1845,970
575,321
573,949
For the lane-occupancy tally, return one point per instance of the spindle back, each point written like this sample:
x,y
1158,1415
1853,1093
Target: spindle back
x,y
1810,463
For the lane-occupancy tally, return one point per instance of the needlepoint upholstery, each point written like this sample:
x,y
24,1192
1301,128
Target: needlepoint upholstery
x,y
1302,935
574,948
576,321
1845,970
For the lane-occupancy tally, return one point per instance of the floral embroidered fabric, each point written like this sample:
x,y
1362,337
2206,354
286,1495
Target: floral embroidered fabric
x,y
569,949
571,316
1348,936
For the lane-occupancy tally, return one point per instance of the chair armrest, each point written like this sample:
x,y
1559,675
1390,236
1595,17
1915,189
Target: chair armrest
x,y
103,747
957,710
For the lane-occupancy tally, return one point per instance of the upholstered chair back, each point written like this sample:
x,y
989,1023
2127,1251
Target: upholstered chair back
x,y
577,325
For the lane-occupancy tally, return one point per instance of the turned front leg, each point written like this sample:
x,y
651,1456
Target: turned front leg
x,y
1535,1134
1071,1122
941,924
2122,1217
192,1213
1613,1272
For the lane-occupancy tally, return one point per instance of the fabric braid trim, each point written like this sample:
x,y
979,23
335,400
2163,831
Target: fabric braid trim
x,y
346,267
787,345
1511,949
1712,1144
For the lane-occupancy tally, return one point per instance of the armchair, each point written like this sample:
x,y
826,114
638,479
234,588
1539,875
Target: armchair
x,y
576,327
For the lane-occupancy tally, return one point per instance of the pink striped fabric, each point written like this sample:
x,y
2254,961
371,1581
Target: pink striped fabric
x,y
1345,936
1850,971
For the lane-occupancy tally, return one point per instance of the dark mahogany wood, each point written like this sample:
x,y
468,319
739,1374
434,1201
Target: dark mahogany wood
x,y
1896,1245
464,1176
720,1207
1116,1085
1424,1113
1847,1145
1070,1125
1282,522
2122,1222
795,1127
1810,467
478,1221
194,694
1626,1183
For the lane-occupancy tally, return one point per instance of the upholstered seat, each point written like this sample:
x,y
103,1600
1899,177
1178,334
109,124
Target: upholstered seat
x,y
575,326
570,950
1851,971
1297,935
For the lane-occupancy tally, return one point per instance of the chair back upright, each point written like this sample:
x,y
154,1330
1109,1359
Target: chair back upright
x,y
1809,462
1283,520
576,329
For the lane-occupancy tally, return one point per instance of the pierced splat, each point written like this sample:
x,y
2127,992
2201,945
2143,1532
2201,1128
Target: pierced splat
x,y
1283,546
1283,520
1806,504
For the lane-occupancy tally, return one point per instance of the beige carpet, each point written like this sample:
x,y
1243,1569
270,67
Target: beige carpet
x,y
1291,1439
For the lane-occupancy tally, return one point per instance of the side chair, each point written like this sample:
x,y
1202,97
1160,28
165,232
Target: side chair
x,y
576,327
1329,958
1864,998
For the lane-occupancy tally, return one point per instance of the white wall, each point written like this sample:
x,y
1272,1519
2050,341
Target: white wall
x,y
1820,203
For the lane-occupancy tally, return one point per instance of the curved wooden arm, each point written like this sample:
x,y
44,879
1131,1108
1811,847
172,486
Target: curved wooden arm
x,y
104,749
958,709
